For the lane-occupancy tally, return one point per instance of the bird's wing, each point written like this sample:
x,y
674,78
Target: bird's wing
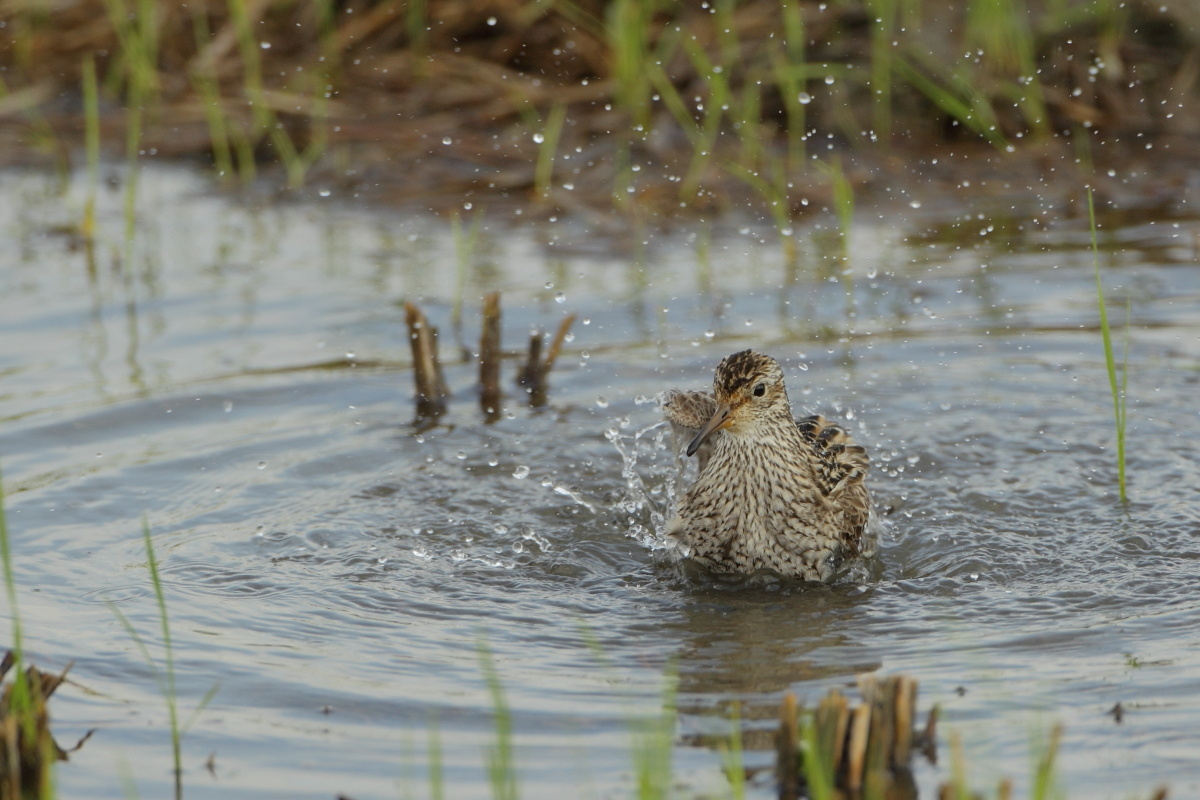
x,y
688,412
841,467
841,462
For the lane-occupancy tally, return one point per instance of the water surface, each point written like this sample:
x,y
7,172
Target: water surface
x,y
239,378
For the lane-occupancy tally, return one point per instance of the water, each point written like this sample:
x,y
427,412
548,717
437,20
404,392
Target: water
x,y
240,381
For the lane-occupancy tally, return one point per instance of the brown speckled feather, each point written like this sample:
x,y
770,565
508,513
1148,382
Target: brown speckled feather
x,y
773,492
687,413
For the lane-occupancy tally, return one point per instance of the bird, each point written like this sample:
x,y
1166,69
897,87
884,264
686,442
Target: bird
x,y
773,492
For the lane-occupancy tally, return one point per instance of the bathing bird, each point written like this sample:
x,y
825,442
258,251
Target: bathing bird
x,y
773,492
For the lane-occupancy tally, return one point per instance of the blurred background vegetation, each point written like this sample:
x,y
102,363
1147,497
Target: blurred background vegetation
x,y
587,104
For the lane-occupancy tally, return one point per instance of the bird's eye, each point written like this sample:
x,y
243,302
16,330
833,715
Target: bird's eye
x,y
760,389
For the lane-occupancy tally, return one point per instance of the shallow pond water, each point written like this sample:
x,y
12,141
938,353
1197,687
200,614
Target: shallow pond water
x,y
240,379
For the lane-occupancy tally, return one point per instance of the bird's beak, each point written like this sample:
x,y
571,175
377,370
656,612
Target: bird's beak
x,y
719,420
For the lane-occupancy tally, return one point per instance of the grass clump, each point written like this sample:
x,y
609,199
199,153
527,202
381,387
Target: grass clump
x,y
27,748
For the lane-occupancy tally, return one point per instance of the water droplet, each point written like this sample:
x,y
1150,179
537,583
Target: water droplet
x,y
493,461
805,98
324,193
560,298
602,402
709,334
228,406
262,465
521,472
491,21
461,455
538,138
914,203
447,140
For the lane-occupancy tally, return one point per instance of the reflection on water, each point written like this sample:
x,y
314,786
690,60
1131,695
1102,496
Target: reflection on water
x,y
243,383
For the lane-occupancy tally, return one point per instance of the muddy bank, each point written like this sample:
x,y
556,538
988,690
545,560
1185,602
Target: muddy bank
x,y
592,106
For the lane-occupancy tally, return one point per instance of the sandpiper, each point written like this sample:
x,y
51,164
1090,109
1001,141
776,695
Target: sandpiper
x,y
774,493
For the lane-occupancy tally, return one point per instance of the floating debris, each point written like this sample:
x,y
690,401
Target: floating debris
x,y
861,750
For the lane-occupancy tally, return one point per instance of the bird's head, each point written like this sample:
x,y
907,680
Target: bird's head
x,y
748,387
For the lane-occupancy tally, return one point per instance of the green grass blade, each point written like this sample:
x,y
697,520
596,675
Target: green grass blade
x,y
437,789
547,149
91,111
1043,773
818,766
501,768
204,701
731,755
21,698
654,739
1117,389
141,646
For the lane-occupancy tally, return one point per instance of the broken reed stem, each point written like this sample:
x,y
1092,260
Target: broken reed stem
x,y
532,377
861,750
560,336
431,388
489,358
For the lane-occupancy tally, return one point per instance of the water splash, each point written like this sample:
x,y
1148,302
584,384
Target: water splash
x,y
652,468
